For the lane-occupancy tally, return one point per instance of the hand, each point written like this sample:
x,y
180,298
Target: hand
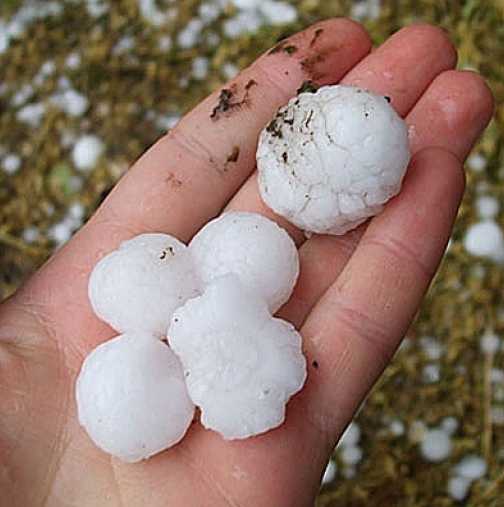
x,y
355,299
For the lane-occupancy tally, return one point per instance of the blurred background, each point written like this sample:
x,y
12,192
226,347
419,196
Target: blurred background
x,y
87,85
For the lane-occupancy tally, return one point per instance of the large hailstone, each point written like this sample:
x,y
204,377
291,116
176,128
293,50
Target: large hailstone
x,y
252,247
138,286
331,159
131,397
241,365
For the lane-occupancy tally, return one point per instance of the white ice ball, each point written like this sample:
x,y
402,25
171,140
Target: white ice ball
x,y
330,472
488,207
252,247
472,467
458,488
485,239
241,365
436,445
131,397
139,286
351,436
86,152
331,159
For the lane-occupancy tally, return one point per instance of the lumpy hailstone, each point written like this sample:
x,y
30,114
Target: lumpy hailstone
x,y
131,397
138,286
331,159
241,365
252,247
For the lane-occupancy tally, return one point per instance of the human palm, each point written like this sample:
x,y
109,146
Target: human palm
x,y
356,296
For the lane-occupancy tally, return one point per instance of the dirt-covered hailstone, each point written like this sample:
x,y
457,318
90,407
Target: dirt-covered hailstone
x,y
252,247
331,159
138,286
241,365
131,397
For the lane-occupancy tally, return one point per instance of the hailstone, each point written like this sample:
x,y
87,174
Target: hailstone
x,y
131,397
240,364
331,159
252,247
138,286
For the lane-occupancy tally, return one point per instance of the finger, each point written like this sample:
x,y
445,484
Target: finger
x,y
451,114
355,328
402,68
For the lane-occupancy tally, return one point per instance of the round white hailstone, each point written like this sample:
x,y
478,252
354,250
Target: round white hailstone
x,y
485,239
139,286
72,102
329,160
47,68
30,234
243,22
397,428
436,445
351,455
252,247
64,83
190,35
450,425
330,472
86,152
167,122
477,162
151,13
241,365
471,467
405,344
458,488
487,206
209,11
73,61
131,397
351,436
76,211
431,373
432,348
200,66
60,232
11,163
278,13
246,4
489,343
229,70
366,9
31,114
97,8
22,95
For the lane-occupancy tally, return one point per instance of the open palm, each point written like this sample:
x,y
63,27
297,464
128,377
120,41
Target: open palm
x,y
355,299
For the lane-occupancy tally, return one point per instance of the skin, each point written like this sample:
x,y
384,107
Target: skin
x,y
355,299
